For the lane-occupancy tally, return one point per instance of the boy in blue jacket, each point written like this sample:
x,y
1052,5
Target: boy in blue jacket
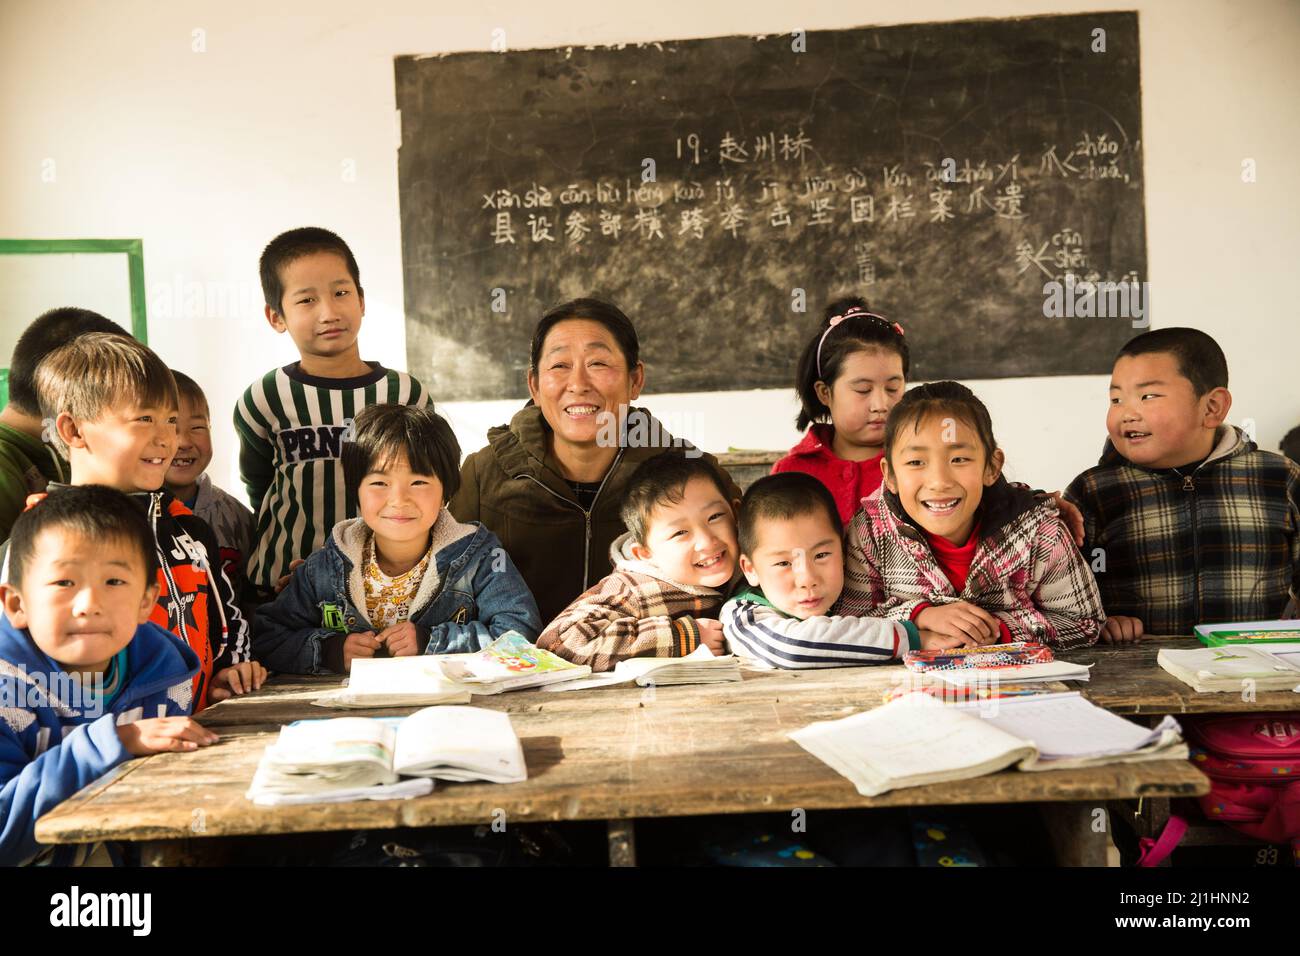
x,y
406,577
86,682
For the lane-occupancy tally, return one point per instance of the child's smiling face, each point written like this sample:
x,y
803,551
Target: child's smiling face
x,y
1155,419
321,308
939,470
193,447
81,599
692,541
798,562
128,448
399,505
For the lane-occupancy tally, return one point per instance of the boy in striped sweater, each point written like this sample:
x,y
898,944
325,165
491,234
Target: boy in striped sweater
x,y
293,420
672,571
792,556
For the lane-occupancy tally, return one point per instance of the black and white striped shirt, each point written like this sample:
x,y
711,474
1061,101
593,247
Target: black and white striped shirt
x,y
291,428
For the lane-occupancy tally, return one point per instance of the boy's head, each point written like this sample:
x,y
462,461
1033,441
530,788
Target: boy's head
x,y
193,437
790,543
312,288
83,575
113,405
44,335
403,465
680,519
1168,396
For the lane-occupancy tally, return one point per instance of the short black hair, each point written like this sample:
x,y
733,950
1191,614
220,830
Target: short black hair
x,y
1199,358
189,390
781,497
661,480
47,332
294,244
385,432
96,512
592,310
854,331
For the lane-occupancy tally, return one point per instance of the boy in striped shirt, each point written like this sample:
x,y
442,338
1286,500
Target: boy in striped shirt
x,y
293,420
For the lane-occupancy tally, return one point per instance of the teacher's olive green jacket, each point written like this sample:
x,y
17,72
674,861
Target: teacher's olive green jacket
x,y
515,489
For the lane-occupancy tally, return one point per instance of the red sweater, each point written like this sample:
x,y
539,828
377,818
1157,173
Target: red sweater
x,y
955,561
849,481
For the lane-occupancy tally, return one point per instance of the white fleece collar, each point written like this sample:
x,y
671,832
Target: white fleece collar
x,y
352,535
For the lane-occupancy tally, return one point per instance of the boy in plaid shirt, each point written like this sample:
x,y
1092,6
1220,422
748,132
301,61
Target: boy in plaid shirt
x,y
1194,522
672,571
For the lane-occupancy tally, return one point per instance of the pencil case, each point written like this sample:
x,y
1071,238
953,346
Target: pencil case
x,y
990,657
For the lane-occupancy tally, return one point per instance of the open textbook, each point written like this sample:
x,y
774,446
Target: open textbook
x,y
916,740
510,662
1228,668
359,758
700,666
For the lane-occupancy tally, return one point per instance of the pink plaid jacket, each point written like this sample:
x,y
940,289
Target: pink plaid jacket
x,y
1028,574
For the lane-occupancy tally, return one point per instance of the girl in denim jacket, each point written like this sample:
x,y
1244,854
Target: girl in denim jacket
x,y
405,577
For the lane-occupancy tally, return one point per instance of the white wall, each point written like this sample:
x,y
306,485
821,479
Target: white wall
x,y
206,156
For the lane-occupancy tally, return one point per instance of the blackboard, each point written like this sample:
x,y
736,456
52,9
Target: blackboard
x,y
945,170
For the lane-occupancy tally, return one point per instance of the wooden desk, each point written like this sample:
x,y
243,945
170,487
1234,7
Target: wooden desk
x,y
613,754
1128,681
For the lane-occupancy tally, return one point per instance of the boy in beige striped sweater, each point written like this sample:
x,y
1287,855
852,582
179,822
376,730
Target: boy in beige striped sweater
x,y
673,569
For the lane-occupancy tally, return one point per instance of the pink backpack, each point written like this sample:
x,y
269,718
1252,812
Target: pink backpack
x,y
1253,762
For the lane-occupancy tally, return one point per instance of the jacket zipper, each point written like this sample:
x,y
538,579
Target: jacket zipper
x,y
154,513
586,515
1189,487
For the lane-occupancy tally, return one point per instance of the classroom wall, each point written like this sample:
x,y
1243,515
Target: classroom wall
x,y
205,128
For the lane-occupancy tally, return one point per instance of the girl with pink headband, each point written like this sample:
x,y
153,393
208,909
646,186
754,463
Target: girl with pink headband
x,y
851,373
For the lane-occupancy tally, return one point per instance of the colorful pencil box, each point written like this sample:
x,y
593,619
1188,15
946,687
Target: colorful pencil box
x,y
988,657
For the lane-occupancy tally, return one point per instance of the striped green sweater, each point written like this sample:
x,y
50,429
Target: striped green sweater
x,y
291,427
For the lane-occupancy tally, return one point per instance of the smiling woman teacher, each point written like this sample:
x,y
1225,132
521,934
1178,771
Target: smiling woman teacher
x,y
550,483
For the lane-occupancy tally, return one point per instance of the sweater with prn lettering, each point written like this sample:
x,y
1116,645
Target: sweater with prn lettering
x,y
291,429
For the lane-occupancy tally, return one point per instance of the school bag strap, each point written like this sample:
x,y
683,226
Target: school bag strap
x,y
1154,852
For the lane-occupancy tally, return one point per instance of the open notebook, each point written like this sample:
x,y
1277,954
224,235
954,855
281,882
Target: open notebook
x,y
359,758
700,666
917,740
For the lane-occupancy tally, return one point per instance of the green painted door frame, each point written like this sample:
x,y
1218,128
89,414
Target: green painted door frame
x,y
132,248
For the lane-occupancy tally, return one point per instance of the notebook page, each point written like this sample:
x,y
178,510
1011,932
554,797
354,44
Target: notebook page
x,y
1065,725
909,737
474,739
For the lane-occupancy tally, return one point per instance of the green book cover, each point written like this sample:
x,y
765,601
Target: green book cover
x,y
1249,632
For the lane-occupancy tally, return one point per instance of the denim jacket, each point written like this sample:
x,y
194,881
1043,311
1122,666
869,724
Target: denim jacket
x,y
470,595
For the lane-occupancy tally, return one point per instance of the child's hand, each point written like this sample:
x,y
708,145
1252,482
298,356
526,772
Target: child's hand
x,y
238,679
1121,630
960,619
1072,517
361,644
711,635
160,734
933,641
402,640
282,583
